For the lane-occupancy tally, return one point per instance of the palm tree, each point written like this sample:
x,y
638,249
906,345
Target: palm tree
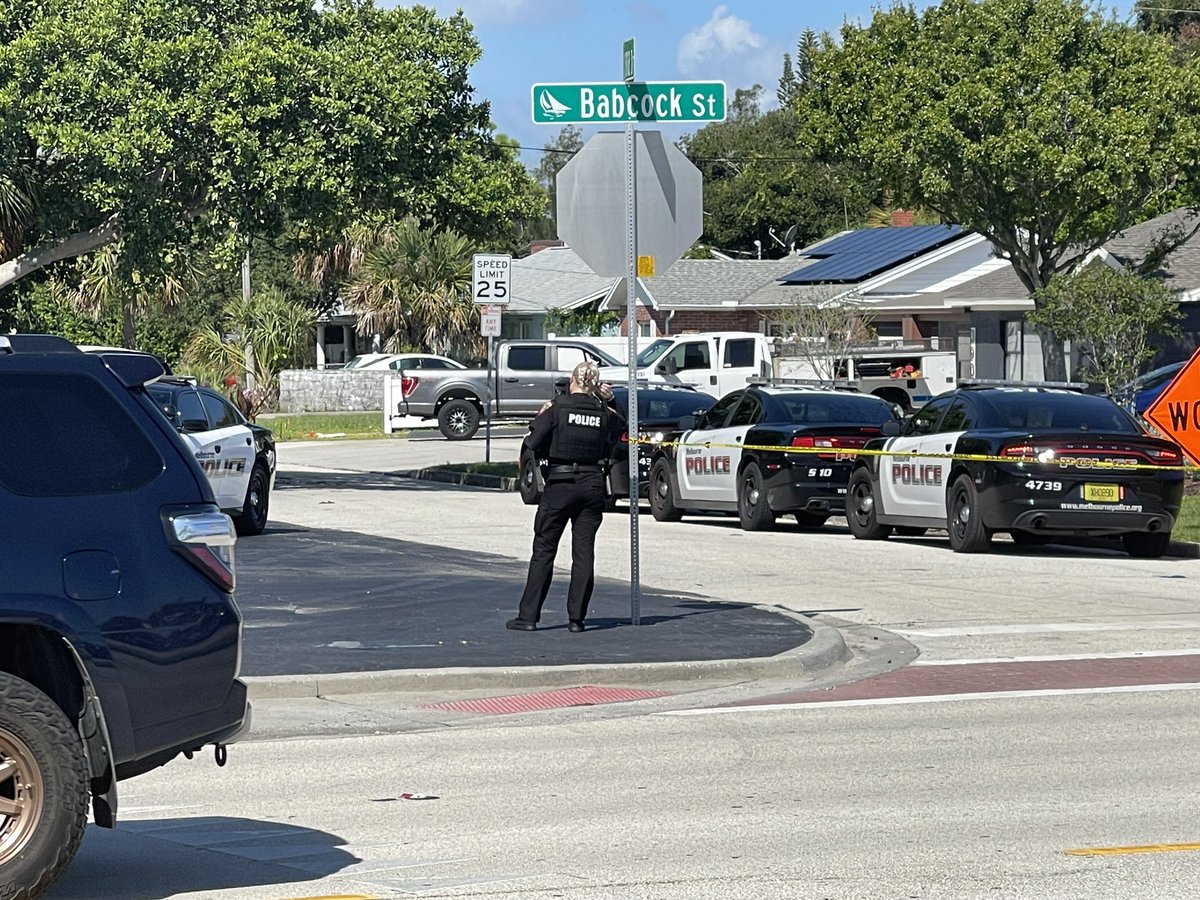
x,y
105,281
412,287
270,331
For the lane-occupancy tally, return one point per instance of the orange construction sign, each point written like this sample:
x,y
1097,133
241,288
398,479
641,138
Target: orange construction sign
x,y
1176,411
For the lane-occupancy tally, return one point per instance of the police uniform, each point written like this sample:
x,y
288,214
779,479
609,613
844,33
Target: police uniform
x,y
574,434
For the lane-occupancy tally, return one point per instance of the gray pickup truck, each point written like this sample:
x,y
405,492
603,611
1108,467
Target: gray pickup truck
x,y
523,378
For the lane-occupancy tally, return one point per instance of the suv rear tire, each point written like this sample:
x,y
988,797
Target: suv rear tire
x,y
43,788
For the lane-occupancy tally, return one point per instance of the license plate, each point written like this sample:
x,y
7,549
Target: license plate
x,y
1102,493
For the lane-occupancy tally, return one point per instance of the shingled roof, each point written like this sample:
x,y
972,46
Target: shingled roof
x,y
555,278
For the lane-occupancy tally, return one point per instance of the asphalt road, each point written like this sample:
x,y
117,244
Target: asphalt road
x,y
323,601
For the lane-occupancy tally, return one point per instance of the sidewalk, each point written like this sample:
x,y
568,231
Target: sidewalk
x,y
334,612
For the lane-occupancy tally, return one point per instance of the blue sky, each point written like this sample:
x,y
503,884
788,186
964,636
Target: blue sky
x,y
740,42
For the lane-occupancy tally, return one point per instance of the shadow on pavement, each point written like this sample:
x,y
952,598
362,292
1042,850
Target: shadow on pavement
x,y
148,859
319,601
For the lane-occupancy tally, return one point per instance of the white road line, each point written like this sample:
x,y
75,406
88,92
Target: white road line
x,y
1046,628
936,698
1065,657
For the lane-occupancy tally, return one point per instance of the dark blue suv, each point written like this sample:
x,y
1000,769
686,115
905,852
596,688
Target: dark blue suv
x,y
120,641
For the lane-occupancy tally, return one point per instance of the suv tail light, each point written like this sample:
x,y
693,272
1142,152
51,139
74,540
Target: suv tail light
x,y
205,538
408,384
1096,455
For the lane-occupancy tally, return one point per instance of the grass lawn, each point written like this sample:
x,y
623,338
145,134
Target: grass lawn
x,y
324,426
1188,526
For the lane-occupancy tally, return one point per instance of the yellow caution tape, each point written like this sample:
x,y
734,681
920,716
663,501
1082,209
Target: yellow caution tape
x,y
842,452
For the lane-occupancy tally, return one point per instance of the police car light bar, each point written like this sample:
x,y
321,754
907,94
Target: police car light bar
x,y
1001,382
840,384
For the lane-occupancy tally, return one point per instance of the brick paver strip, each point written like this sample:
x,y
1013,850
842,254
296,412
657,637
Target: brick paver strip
x,y
949,679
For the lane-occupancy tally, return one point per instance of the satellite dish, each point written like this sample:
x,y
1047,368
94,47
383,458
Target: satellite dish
x,y
789,238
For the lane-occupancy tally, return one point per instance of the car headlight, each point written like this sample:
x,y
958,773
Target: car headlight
x,y
656,438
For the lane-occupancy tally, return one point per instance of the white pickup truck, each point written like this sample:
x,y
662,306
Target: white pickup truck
x,y
714,362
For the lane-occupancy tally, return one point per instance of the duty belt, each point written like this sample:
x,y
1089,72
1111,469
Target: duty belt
x,y
572,469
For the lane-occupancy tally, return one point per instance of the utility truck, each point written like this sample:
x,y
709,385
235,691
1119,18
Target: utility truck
x,y
908,375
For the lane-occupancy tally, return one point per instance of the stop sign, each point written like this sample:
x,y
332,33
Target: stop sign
x,y
591,202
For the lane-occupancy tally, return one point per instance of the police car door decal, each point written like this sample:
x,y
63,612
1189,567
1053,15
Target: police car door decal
x,y
909,481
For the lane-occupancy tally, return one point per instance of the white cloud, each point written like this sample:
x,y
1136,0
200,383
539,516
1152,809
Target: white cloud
x,y
723,38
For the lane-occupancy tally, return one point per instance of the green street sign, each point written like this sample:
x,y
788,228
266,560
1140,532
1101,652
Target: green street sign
x,y
627,61
616,102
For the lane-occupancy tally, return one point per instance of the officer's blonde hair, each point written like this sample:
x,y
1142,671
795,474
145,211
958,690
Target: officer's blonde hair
x,y
587,376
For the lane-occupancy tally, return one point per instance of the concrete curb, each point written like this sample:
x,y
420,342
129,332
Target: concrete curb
x,y
824,649
448,476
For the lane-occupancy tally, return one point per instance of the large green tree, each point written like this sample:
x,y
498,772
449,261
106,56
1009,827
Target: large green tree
x,y
759,178
145,122
1038,123
1112,316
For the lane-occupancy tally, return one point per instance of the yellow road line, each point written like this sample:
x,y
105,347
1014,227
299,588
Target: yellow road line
x,y
1122,851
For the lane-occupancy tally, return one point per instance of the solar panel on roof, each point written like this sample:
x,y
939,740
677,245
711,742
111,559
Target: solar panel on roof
x,y
869,251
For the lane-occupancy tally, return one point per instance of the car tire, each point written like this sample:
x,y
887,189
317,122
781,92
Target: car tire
x,y
754,513
1146,545
44,777
968,534
1029,539
861,508
527,482
662,503
253,519
810,520
458,420
910,531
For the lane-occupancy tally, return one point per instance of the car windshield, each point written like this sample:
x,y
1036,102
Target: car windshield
x,y
1033,411
653,351
664,406
833,408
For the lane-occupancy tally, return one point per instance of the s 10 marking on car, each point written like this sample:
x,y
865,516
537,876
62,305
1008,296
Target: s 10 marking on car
x,y
1036,460
769,449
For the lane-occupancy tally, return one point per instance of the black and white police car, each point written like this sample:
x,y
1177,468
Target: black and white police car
x,y
660,407
774,447
237,455
1038,460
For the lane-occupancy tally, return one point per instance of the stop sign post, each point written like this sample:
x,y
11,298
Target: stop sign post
x,y
641,230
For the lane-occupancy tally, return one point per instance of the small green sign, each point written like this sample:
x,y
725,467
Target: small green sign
x,y
618,102
627,61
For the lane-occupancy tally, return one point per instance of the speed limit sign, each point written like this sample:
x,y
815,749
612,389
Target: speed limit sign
x,y
490,278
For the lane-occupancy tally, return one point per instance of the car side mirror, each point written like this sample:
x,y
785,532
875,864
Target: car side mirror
x,y
687,423
187,426
667,367
172,414
890,428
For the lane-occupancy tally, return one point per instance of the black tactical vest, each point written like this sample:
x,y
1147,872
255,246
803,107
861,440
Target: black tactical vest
x,y
580,430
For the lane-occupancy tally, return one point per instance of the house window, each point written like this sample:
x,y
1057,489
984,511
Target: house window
x,y
645,329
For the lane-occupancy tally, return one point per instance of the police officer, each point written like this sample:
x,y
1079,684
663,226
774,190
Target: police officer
x,y
574,433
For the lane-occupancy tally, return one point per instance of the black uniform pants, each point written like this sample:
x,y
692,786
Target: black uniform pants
x,y
580,501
